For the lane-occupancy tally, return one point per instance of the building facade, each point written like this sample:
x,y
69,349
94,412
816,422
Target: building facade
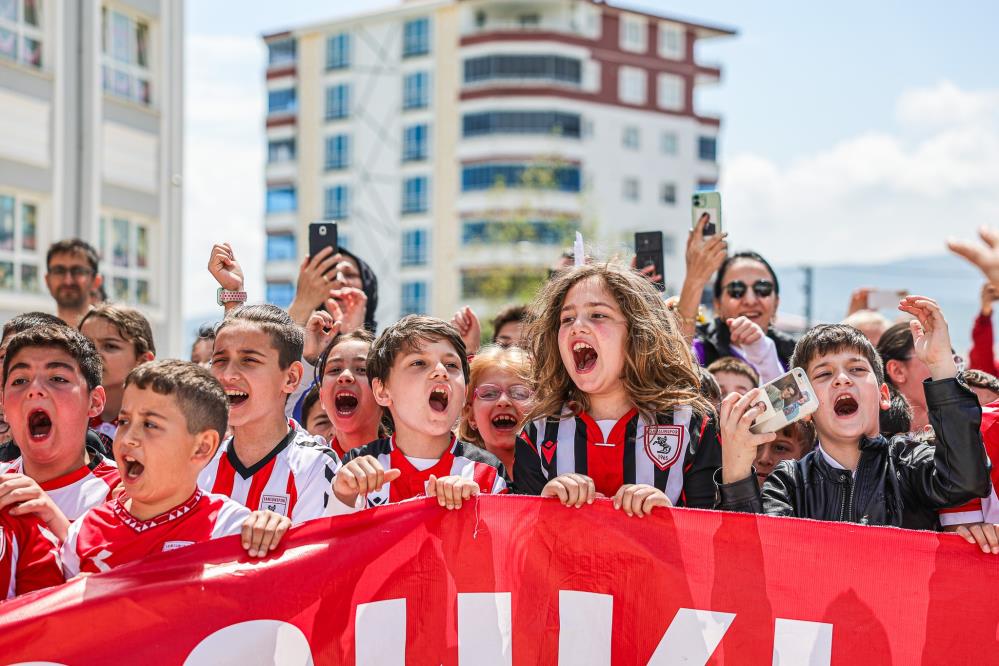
x,y
461,143
91,110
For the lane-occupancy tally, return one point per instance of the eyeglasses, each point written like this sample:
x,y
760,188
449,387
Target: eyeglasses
x,y
737,288
76,271
492,393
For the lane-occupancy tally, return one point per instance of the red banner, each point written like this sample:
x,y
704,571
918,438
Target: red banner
x,y
519,580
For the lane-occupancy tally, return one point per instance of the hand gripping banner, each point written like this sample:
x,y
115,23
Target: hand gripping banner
x,y
521,580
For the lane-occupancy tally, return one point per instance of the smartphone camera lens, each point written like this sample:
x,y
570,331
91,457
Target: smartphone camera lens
x,y
322,231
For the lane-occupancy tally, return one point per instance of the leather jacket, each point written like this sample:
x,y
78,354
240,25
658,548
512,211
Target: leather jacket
x,y
713,340
898,482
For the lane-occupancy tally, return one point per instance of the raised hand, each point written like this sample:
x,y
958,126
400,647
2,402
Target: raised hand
x,y
313,286
224,268
319,332
467,323
737,415
985,257
353,302
930,336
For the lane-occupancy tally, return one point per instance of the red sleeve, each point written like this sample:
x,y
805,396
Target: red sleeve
x,y
980,357
38,564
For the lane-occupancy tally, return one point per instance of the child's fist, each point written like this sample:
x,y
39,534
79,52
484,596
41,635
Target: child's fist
x,y
450,491
361,476
262,532
638,499
571,489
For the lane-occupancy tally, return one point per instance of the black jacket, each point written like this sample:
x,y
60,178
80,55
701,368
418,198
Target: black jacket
x,y
898,482
712,341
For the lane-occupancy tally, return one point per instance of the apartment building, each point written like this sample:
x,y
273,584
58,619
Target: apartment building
x,y
91,105
461,143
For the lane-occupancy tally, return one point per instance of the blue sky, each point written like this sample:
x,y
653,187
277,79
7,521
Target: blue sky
x,y
853,131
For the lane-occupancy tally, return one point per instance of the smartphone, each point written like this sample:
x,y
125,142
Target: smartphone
x,y
707,203
789,398
649,252
322,234
884,299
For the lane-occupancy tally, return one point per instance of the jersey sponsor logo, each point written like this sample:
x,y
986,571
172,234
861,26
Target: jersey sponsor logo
x,y
174,545
548,451
663,444
276,503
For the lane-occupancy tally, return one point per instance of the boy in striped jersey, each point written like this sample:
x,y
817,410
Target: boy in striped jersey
x,y
269,462
418,370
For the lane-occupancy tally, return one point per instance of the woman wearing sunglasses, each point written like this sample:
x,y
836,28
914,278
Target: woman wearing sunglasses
x,y
497,401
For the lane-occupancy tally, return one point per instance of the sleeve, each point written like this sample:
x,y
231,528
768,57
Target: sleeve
x,y
529,476
316,493
69,555
698,477
38,564
956,469
980,356
742,496
763,356
230,519
499,486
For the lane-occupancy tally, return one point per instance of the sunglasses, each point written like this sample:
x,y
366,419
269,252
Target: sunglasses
x,y
737,288
492,393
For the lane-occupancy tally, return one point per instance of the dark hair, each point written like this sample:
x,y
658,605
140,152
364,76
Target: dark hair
x,y
405,335
308,402
897,419
802,431
206,331
198,394
360,334
131,324
736,367
27,320
59,336
709,386
509,314
74,246
286,336
980,379
831,338
895,344
752,256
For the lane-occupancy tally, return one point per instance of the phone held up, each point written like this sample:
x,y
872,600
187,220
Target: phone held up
x,y
707,204
649,252
322,234
885,299
788,398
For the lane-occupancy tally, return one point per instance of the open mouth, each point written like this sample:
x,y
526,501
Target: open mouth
x,y
584,356
845,405
39,425
345,403
236,397
133,468
438,400
504,422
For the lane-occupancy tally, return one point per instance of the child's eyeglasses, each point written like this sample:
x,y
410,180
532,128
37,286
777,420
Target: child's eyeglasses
x,y
492,393
737,288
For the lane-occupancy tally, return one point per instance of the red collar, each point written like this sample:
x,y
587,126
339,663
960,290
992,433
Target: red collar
x,y
142,525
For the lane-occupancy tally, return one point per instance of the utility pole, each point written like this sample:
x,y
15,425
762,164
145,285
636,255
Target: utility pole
x,y
808,287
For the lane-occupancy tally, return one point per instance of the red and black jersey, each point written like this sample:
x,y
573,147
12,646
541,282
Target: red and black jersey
x,y
29,555
677,454
985,509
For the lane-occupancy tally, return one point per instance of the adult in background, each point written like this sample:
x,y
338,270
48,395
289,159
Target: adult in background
x,y
746,296
342,277
72,276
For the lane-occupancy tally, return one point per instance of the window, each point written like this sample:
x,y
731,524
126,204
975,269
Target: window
x,y
414,298
284,100
672,41
280,294
337,152
631,85
414,247
280,247
707,148
668,143
521,122
125,69
416,38
630,190
670,92
633,34
486,176
544,232
337,203
338,51
281,52
280,150
126,260
21,32
667,193
281,199
414,194
21,258
502,283
529,67
630,138
414,143
528,21
415,91
338,102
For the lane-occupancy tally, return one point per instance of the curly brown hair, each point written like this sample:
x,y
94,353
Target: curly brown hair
x,y
660,372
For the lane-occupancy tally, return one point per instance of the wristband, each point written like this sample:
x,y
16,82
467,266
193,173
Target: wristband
x,y
225,296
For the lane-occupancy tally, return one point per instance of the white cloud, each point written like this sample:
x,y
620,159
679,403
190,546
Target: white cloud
x,y
876,196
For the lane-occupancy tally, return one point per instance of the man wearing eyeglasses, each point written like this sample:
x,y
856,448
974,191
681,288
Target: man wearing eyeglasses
x,y
72,276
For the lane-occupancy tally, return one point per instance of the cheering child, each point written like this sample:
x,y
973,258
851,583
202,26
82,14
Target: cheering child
x,y
618,411
345,393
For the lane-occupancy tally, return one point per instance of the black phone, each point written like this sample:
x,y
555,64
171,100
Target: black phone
x,y
649,252
322,234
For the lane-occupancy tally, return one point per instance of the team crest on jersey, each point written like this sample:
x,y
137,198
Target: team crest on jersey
x,y
276,503
664,444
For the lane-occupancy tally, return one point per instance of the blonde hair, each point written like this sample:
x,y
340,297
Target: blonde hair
x,y
660,373
492,357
